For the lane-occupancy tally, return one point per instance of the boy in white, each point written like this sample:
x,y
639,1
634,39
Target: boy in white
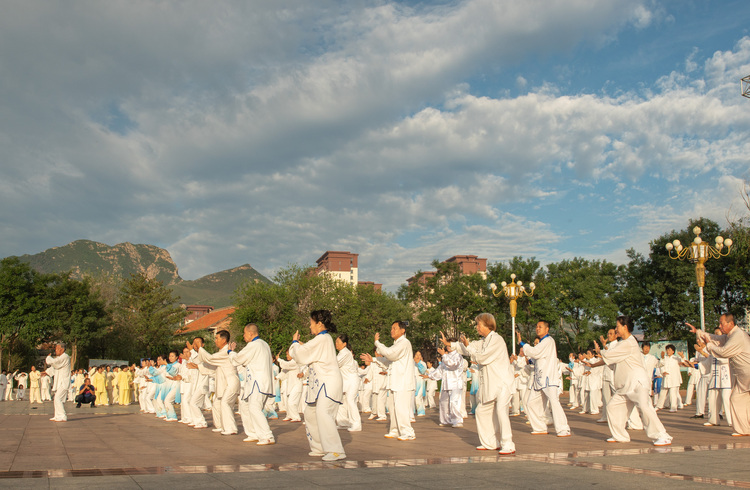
x,y
365,389
257,358
496,380
693,377
399,382
546,385
632,386
431,387
61,365
186,385
671,380
451,390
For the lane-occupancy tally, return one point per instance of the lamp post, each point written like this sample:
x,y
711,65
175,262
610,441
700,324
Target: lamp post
x,y
699,252
512,291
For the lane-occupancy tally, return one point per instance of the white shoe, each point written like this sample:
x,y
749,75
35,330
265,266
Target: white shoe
x,y
354,429
457,426
663,441
390,435
371,417
250,439
563,433
266,442
334,456
315,454
507,451
381,419
407,438
218,429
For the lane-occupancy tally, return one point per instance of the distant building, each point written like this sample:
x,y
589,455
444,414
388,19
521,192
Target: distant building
x,y
196,311
374,285
211,322
468,264
339,265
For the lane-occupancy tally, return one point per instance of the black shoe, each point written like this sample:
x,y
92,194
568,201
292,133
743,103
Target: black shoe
x,y
721,417
78,405
697,417
92,405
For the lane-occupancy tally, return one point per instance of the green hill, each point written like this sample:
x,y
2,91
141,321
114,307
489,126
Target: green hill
x,y
86,257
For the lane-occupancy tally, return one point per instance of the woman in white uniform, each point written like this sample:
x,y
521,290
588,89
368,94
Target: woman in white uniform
x,y
324,388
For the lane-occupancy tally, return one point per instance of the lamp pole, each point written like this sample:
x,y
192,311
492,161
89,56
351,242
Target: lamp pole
x,y
512,291
699,252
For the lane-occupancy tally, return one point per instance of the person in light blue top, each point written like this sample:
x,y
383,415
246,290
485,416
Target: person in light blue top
x,y
420,393
170,389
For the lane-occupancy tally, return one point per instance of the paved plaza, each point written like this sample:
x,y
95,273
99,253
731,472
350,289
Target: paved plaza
x,y
117,447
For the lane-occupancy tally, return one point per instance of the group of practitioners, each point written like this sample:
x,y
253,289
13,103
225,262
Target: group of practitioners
x,y
322,379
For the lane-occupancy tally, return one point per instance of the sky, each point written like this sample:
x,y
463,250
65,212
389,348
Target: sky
x,y
269,131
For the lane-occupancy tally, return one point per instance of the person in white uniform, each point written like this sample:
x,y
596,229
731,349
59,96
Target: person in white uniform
x,y
257,358
451,379
3,385
61,365
608,388
546,383
199,379
294,384
35,392
671,379
348,416
227,384
400,381
632,385
496,380
324,386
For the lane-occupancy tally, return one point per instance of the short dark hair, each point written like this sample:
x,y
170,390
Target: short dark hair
x,y
627,321
324,317
670,346
224,334
402,324
344,338
728,316
203,341
545,322
646,344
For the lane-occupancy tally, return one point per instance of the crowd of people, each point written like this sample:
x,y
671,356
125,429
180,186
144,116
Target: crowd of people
x,y
322,380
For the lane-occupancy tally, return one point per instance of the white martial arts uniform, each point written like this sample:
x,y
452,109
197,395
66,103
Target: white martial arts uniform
x,y
324,393
293,389
719,391
3,386
632,384
400,386
348,414
227,389
450,374
671,381
545,387
61,384
256,357
496,379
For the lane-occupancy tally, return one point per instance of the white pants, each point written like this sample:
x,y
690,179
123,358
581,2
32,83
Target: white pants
x,y
672,394
60,397
573,395
197,400
399,407
718,400
592,401
366,398
320,423
701,395
348,414
381,399
493,422
254,420
292,404
431,398
223,409
622,404
607,391
35,395
450,407
535,409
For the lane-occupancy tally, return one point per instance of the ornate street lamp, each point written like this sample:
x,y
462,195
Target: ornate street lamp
x,y
699,252
745,86
513,291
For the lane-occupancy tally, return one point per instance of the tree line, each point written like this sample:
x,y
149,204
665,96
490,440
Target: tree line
x,y
140,317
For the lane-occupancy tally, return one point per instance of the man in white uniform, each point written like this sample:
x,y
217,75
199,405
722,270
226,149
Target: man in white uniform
x,y
733,344
35,389
227,384
257,358
631,388
546,385
61,365
399,382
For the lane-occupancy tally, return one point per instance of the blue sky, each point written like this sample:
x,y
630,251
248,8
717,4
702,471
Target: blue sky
x,y
267,132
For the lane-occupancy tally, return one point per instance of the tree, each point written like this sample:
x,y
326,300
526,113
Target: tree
x,y
76,313
446,301
147,315
662,293
21,322
283,307
580,294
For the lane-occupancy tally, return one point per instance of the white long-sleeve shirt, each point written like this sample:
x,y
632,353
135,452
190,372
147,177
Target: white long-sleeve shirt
x,y
544,354
401,367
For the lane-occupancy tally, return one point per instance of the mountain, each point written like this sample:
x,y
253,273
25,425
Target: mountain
x,y
86,257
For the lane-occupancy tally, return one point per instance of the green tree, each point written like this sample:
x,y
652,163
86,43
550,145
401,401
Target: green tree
x,y
21,322
446,301
76,313
662,293
578,296
147,316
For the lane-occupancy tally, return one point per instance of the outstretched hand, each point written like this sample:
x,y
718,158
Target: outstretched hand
x,y
366,357
518,336
377,336
295,336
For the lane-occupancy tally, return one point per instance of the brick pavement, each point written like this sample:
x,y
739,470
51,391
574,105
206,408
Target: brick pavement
x,y
132,449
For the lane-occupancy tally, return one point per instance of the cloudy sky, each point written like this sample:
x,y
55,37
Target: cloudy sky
x,y
269,131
